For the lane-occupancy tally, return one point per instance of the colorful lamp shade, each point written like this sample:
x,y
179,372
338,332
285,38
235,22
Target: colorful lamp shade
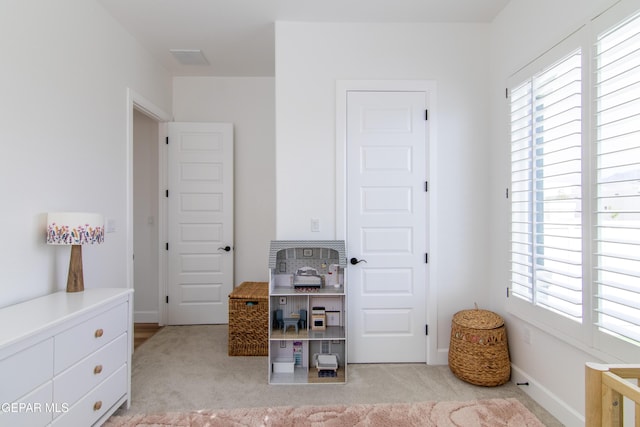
x,y
76,229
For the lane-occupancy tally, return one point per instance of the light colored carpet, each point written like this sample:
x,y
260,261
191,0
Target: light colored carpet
x,y
476,413
187,369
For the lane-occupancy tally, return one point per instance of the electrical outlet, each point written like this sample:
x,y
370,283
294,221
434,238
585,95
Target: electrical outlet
x,y
315,224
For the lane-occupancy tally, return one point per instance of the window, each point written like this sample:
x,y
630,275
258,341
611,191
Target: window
x,y
617,223
575,187
546,192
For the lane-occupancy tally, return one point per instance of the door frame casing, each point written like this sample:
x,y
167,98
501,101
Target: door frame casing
x,y
135,101
429,87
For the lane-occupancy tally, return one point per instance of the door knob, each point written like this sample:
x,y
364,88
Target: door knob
x,y
355,261
226,248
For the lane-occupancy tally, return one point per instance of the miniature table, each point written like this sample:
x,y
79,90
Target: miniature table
x,y
289,321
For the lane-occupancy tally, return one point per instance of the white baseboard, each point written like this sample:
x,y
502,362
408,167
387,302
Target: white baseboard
x,y
545,398
146,317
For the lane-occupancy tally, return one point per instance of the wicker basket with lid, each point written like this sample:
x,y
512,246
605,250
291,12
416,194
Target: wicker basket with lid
x,y
478,351
249,320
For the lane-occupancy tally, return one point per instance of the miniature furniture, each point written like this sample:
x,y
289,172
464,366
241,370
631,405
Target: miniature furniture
x,y
278,320
283,366
326,362
318,319
478,351
290,321
307,278
249,319
303,319
68,356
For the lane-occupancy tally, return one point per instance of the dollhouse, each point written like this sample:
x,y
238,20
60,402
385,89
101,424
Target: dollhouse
x,y
308,312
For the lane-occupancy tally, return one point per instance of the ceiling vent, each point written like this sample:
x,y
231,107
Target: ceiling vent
x,y
189,56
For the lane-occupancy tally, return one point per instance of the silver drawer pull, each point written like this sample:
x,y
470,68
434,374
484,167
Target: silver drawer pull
x,y
97,405
98,333
97,370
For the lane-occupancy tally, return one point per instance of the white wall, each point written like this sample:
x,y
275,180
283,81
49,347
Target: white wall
x,y
311,57
248,103
145,219
65,69
523,31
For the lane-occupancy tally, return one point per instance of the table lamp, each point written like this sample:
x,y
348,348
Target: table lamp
x,y
76,229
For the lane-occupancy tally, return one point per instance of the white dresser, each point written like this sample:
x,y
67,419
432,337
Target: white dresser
x,y
65,358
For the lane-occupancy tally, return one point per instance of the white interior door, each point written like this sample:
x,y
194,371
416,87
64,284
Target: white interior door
x,y
386,226
200,222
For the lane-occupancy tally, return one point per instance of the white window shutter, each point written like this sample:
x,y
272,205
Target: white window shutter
x,y
617,203
521,193
546,188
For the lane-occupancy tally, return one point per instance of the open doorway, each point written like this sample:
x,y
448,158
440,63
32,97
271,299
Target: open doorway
x,y
146,207
146,190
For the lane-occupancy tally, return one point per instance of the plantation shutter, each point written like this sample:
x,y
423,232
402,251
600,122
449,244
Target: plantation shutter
x,y
617,228
521,192
546,165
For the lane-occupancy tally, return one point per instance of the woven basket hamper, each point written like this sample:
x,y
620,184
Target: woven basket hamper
x,y
249,320
478,351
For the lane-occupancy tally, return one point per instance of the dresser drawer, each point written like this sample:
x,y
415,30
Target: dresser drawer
x,y
76,381
85,338
34,409
96,404
25,370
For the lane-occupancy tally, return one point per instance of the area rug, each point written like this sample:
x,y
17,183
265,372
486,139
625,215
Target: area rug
x,y
486,413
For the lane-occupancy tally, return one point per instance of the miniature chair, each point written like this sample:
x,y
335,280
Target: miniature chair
x,y
303,319
326,362
278,320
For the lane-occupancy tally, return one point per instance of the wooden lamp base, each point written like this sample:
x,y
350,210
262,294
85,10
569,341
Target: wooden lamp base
x,y
75,281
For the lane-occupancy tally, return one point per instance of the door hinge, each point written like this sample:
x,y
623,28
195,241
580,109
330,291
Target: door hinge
x,y
426,114
506,92
426,258
507,292
166,140
166,193
506,193
426,186
426,329
166,245
166,299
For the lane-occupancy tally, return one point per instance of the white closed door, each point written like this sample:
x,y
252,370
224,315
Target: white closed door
x,y
200,222
386,226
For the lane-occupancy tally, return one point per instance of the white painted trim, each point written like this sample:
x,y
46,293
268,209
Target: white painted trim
x,y
140,103
545,398
163,227
147,107
429,87
441,357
